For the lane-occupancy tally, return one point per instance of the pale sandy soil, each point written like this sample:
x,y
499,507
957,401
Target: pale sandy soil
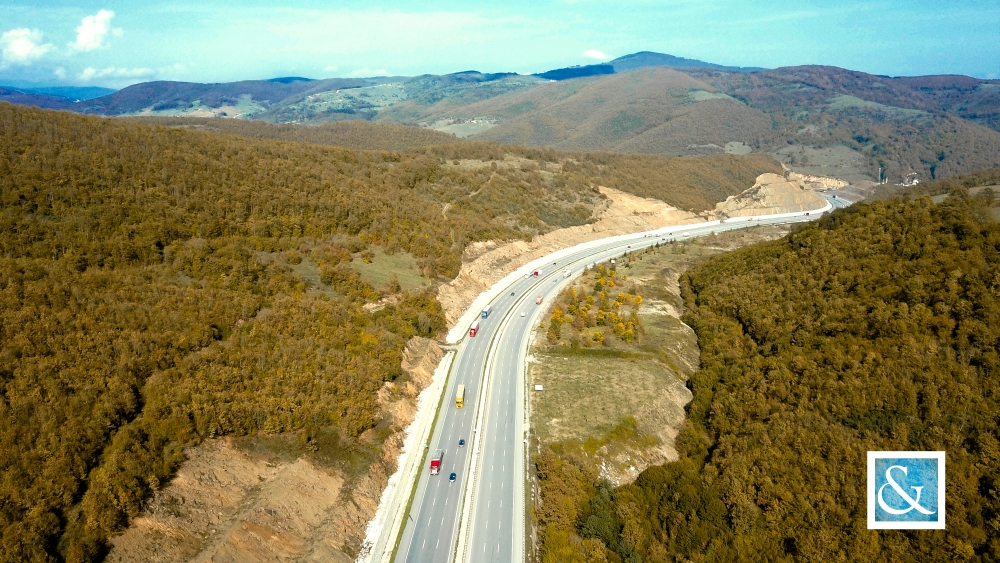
x,y
773,193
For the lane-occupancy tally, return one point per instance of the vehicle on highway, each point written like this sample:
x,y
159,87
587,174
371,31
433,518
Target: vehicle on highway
x,y
538,300
460,396
487,310
461,443
452,477
474,328
436,462
522,313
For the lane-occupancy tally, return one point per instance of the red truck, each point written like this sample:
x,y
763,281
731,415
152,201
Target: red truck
x,y
474,328
538,300
436,462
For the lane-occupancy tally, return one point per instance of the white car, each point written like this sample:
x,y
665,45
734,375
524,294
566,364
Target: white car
x,y
522,313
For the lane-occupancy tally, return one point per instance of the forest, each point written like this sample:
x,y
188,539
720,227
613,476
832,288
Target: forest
x,y
875,328
160,286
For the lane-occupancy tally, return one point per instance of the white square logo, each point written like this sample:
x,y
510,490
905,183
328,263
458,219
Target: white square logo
x,y
906,490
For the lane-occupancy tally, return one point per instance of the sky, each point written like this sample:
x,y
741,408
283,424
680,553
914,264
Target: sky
x,y
114,44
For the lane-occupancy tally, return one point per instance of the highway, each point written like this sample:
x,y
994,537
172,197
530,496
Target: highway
x,y
482,519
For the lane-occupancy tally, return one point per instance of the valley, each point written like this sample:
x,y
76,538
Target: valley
x,y
285,283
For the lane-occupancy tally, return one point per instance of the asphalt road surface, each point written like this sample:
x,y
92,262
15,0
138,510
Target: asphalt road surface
x,y
497,531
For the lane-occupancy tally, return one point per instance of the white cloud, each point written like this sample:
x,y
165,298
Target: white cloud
x,y
595,54
93,30
330,68
174,68
22,46
91,73
60,73
365,72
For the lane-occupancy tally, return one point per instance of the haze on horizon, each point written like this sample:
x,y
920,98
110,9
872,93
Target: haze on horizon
x,y
114,44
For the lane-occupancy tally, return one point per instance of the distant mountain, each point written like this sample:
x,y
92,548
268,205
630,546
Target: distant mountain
x,y
576,72
641,59
650,110
256,95
25,97
816,119
648,58
72,93
290,79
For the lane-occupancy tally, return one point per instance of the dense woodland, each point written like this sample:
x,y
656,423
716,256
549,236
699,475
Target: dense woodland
x,y
875,328
921,125
159,286
349,134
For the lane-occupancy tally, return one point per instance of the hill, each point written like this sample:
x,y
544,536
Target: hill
x,y
576,72
159,286
401,100
901,125
30,98
254,95
644,59
359,135
816,120
652,110
873,329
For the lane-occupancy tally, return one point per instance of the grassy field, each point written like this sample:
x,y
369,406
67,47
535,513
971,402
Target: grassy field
x,y
619,404
379,268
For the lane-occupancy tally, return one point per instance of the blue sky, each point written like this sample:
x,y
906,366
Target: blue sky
x,y
114,44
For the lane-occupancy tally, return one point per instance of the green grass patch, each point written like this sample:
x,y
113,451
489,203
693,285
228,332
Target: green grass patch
x,y
381,267
845,102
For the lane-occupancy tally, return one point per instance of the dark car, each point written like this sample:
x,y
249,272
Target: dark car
x,y
452,477
461,443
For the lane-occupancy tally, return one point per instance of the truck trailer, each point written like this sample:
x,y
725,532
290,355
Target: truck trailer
x,y
487,311
474,328
436,462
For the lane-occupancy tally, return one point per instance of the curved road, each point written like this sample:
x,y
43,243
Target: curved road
x,y
492,526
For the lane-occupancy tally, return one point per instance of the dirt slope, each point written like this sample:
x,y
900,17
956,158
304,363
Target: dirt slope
x,y
488,262
232,504
774,194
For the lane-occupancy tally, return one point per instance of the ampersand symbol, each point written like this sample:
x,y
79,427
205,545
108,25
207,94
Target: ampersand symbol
x,y
913,502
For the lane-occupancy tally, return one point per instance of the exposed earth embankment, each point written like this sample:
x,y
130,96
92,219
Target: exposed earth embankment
x,y
251,499
488,262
